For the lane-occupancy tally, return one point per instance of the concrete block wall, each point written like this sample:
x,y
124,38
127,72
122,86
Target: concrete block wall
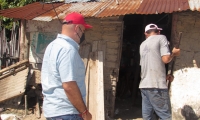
x,y
189,24
108,33
185,90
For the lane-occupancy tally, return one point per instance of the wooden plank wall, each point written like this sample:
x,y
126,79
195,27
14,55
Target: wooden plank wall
x,y
9,51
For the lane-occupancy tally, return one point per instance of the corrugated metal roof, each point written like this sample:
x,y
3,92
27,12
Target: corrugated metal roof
x,y
123,7
29,11
69,1
93,9
194,5
86,9
162,6
45,12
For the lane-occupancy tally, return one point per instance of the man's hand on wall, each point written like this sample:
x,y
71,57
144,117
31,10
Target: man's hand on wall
x,y
170,78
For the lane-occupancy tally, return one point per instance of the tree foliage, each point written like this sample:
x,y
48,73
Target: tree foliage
x,y
6,4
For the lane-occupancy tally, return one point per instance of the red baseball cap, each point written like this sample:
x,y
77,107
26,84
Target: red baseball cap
x,y
76,18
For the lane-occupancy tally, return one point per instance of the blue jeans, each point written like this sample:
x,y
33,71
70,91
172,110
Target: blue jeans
x,y
66,117
156,100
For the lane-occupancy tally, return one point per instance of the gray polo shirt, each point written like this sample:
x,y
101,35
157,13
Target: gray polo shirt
x,y
153,73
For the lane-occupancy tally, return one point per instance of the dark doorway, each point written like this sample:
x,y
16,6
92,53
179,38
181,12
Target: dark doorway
x,y
128,98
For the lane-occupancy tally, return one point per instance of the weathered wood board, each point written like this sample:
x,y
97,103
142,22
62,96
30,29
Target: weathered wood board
x,y
96,86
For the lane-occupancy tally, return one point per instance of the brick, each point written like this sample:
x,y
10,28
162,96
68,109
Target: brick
x,y
111,37
185,59
195,36
113,45
111,58
112,51
111,64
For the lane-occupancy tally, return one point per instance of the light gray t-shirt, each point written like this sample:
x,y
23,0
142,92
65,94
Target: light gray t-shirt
x,y
153,73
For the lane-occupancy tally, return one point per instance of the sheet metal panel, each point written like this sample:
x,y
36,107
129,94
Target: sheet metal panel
x,y
45,12
93,9
121,7
90,9
69,1
29,11
162,6
13,85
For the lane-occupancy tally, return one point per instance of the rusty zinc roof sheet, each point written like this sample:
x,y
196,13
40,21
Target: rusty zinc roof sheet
x,y
162,6
93,9
45,12
29,11
121,7
194,4
86,9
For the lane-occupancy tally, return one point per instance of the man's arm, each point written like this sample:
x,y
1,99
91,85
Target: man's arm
x,y
167,58
74,95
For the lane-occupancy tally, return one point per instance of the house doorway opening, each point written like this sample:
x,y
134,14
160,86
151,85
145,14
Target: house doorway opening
x,y
128,98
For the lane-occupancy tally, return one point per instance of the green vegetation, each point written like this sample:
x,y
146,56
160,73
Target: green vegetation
x,y
6,4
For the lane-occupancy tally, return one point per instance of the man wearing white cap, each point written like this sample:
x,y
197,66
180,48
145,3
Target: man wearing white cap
x,y
154,54
63,73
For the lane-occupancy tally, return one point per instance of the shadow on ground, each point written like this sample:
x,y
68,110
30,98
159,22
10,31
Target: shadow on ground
x,y
126,110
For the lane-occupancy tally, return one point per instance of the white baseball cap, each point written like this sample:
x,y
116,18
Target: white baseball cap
x,y
152,26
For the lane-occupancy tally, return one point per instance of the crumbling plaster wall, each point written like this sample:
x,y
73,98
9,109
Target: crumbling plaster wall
x,y
185,90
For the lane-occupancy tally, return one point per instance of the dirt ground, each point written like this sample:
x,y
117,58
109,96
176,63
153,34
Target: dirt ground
x,y
126,110
33,117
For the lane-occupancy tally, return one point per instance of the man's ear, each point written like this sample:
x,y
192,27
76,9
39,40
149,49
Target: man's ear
x,y
75,27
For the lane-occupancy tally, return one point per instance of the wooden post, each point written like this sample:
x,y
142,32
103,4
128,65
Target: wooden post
x,y
96,86
37,109
13,40
100,88
1,54
25,98
87,78
3,46
22,40
26,45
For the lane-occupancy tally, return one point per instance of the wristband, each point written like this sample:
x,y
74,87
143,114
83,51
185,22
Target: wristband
x,y
84,112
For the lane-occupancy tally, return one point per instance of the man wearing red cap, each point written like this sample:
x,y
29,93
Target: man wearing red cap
x,y
154,54
63,73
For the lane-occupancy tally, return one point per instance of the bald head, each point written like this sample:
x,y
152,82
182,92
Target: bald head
x,y
68,29
74,31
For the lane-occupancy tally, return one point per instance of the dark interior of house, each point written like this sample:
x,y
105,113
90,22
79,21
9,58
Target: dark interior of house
x,y
128,99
